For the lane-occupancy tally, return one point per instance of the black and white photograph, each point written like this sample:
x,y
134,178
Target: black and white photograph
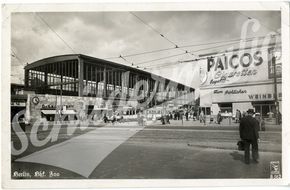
x,y
145,93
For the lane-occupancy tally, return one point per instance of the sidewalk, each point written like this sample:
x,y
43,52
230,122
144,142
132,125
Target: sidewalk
x,y
225,124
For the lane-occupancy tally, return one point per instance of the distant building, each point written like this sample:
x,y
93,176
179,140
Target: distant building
x,y
241,79
18,98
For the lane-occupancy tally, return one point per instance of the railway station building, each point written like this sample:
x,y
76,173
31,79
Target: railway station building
x,y
77,84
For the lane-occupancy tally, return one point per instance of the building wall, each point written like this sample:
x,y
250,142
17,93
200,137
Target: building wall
x,y
38,102
241,79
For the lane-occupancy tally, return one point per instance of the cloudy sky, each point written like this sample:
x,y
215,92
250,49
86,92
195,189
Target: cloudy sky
x,y
108,35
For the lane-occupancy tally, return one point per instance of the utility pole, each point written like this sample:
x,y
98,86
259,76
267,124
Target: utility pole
x,y
275,88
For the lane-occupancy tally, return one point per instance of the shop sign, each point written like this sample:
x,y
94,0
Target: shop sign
x,y
249,93
23,104
266,96
228,92
239,67
52,106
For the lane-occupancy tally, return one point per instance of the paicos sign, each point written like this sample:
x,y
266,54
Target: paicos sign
x,y
234,61
238,67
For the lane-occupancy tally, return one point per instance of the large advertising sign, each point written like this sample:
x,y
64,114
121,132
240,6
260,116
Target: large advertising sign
x,y
238,67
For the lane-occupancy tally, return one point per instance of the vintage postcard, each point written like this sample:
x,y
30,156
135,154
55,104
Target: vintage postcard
x,y
145,95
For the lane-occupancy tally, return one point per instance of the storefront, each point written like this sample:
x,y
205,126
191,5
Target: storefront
x,y
240,81
55,107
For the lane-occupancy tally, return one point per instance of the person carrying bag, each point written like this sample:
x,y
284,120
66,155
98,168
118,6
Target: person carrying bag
x,y
249,134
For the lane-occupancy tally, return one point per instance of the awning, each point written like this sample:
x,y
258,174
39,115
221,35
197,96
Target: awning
x,y
68,112
127,107
102,109
48,112
53,112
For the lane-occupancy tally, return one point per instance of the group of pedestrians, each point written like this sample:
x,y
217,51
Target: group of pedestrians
x,y
165,119
176,115
116,117
202,118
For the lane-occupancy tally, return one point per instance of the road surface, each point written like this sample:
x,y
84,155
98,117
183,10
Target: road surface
x,y
153,152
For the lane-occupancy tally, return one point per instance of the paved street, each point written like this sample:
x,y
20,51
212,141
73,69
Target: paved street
x,y
156,151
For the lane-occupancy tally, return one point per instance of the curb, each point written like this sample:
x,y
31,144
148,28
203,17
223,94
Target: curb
x,y
231,148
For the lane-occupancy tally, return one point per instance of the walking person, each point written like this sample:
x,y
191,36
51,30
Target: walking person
x,y
211,117
105,118
167,119
219,117
186,115
249,134
201,117
238,116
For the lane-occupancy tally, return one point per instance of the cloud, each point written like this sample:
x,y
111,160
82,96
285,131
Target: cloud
x,y
109,34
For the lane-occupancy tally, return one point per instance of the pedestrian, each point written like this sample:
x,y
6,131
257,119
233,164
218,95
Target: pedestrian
x,y
167,119
186,115
162,119
244,114
211,117
219,117
170,115
201,117
261,121
238,116
175,115
194,115
142,118
279,117
262,124
249,134
105,118
139,118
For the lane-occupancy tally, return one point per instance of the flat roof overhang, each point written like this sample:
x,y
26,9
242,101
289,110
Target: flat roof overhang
x,y
93,60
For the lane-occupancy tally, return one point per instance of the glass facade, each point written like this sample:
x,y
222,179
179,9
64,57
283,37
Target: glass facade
x,y
93,77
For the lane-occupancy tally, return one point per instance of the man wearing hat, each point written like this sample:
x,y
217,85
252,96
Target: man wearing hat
x,y
249,128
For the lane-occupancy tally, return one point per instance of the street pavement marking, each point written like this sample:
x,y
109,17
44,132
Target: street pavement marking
x,y
82,154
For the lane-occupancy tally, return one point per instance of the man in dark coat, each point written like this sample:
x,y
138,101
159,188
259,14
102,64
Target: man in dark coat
x,y
219,117
249,128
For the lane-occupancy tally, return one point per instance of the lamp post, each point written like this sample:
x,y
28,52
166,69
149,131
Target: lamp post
x,y
275,55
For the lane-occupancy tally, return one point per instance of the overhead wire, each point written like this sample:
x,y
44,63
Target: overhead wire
x,y
160,34
249,18
148,52
184,53
58,35
125,60
168,64
166,57
13,54
192,45
163,36
152,28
